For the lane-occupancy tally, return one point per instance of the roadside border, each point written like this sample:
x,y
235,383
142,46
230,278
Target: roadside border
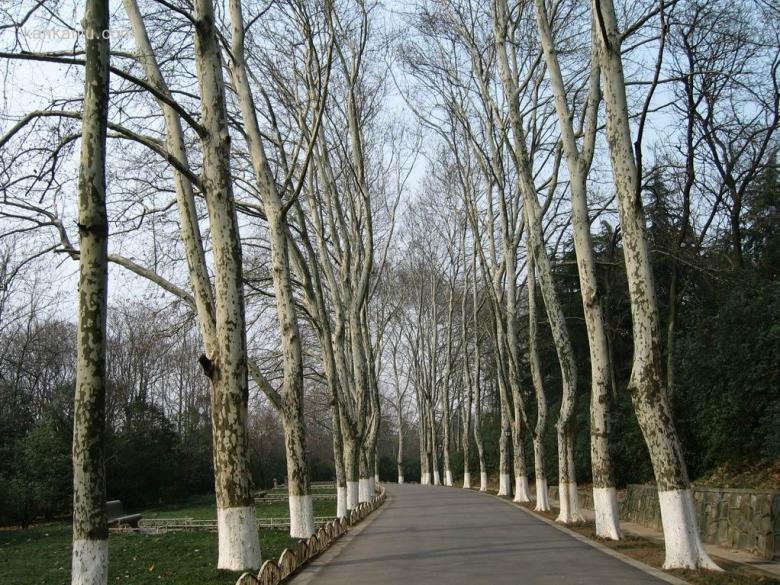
x,y
657,573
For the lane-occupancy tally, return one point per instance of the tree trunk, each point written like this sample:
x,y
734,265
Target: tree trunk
x,y
604,495
239,545
90,528
301,511
338,460
446,397
364,494
518,447
400,455
504,481
542,501
434,450
351,467
683,544
555,316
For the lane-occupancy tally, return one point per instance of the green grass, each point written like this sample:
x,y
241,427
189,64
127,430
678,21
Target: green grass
x,y
41,555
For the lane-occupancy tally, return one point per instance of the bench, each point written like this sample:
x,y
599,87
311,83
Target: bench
x,y
117,517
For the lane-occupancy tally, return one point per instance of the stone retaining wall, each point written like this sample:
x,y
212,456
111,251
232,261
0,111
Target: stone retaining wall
x,y
585,496
747,520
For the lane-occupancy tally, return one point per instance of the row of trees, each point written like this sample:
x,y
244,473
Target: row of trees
x,y
256,172
518,96
315,206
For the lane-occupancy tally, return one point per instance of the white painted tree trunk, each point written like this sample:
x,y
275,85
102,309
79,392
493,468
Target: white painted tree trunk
x,y
436,476
483,481
365,490
504,484
521,489
684,549
235,527
89,559
567,487
191,238
353,495
89,562
338,454
446,390
227,368
351,467
565,515
542,500
400,479
466,480
578,163
301,516
536,248
646,384
607,511
341,501
518,440
292,396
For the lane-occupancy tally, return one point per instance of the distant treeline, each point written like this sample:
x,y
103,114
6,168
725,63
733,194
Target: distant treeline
x,y
158,417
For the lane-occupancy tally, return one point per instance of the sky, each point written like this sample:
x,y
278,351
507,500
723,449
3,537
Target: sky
x,y
30,85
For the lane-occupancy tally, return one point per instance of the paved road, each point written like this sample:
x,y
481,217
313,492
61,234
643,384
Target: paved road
x,y
426,534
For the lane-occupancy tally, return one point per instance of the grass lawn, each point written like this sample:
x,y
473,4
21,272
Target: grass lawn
x,y
41,555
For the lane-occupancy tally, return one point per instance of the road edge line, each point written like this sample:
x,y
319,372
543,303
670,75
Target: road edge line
x,y
654,572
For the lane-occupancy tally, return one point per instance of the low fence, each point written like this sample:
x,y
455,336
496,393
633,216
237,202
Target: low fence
x,y
279,498
164,525
292,560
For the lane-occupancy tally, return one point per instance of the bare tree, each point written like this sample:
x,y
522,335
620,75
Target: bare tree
x,y
90,527
646,385
578,161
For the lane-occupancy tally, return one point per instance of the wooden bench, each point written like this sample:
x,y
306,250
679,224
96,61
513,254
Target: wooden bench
x,y
117,517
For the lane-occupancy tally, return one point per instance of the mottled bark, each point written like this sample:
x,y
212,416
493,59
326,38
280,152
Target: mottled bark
x,y
292,353
646,385
90,529
338,460
468,391
504,438
542,502
536,247
227,366
351,467
578,163
446,391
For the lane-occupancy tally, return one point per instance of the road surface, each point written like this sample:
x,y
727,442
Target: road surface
x,y
450,536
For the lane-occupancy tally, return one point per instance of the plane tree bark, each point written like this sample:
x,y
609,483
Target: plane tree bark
x,y
90,527
684,548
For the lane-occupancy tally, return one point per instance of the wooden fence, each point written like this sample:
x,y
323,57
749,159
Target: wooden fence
x,y
163,525
291,560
